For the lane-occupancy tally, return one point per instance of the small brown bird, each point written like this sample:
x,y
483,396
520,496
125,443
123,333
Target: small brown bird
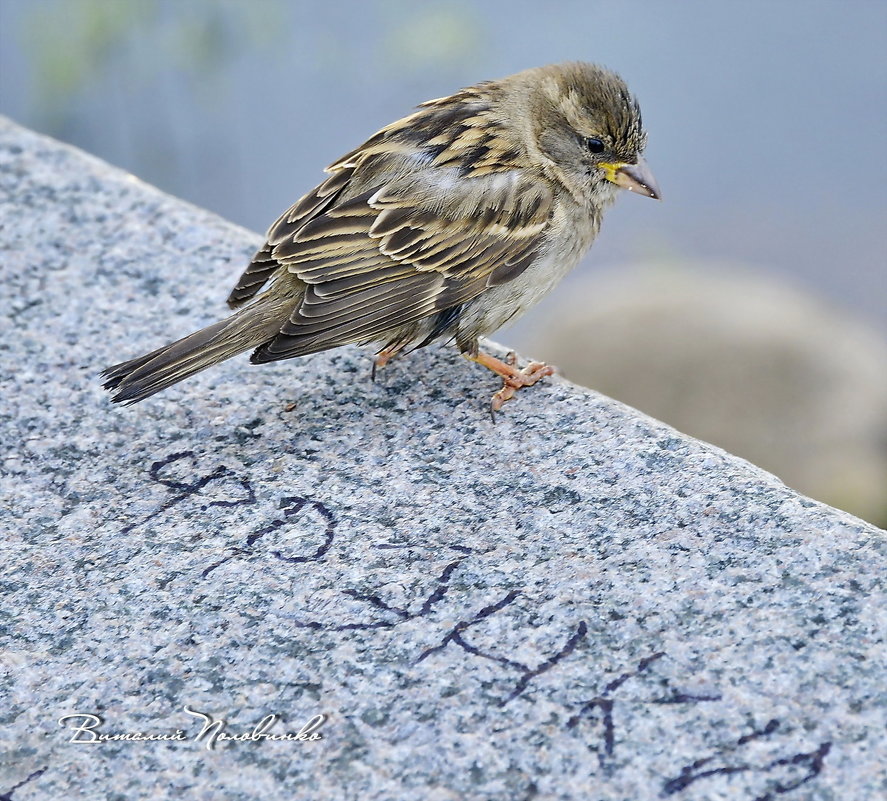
x,y
446,224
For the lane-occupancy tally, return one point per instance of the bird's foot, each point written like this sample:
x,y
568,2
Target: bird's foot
x,y
513,377
526,377
382,358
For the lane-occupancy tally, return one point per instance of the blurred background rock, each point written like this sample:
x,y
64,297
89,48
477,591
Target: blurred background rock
x,y
768,124
737,358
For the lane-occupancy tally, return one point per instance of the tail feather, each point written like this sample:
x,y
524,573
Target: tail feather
x,y
137,379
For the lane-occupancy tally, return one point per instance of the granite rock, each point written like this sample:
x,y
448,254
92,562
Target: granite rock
x,y
577,602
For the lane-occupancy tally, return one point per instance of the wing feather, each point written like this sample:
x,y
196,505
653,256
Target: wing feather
x,y
424,217
264,263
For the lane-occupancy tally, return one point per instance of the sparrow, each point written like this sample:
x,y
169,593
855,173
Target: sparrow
x,y
444,225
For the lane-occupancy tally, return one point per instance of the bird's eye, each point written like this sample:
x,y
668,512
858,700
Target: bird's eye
x,y
593,145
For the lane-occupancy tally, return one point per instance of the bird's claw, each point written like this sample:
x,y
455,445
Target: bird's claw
x,y
516,379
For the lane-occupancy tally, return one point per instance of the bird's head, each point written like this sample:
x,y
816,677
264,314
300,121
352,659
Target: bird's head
x,y
587,127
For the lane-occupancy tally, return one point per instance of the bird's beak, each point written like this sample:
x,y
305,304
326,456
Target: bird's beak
x,y
633,177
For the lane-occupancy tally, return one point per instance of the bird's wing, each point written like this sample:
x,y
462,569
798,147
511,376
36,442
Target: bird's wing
x,y
263,264
427,239
454,131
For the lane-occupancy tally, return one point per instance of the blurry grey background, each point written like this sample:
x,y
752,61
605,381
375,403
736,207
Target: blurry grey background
x,y
748,308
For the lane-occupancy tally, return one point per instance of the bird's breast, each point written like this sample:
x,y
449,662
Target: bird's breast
x,y
571,234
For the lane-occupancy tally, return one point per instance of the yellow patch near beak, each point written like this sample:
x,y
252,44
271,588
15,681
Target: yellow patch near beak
x,y
611,168
633,177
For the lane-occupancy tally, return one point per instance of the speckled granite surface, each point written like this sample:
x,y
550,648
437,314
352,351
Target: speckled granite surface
x,y
575,603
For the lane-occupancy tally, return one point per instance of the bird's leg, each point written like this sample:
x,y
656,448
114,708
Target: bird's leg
x,y
513,377
383,357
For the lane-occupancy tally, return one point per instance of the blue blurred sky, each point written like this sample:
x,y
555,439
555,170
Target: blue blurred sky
x,y
767,120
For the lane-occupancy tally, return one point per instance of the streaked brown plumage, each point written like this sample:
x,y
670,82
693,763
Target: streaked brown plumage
x,y
445,224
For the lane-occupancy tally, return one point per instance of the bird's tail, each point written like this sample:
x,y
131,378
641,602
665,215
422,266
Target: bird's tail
x,y
139,378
